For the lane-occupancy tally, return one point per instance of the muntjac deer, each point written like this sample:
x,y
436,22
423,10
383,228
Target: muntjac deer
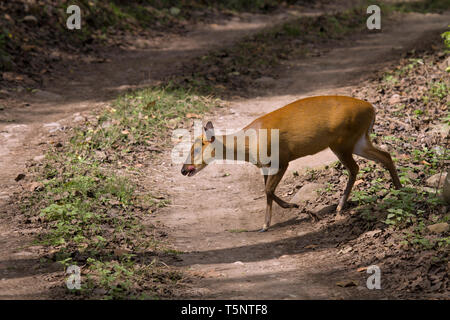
x,y
305,127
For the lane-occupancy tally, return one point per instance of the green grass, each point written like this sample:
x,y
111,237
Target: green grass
x,y
88,213
389,78
141,118
410,207
404,209
446,37
446,119
402,206
435,92
438,90
237,230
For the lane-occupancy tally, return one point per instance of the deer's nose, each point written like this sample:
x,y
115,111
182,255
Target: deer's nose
x,y
185,171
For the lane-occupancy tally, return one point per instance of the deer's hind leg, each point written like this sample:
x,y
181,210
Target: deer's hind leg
x,y
345,156
364,148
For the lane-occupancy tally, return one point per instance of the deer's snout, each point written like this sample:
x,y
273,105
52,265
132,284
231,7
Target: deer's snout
x,y
187,170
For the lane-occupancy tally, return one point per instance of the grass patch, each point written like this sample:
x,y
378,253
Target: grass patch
x,y
91,209
91,218
410,205
237,230
141,119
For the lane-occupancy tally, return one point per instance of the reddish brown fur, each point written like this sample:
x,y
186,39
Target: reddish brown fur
x,y
310,125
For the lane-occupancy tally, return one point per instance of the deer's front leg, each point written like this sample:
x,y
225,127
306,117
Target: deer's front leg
x,y
268,213
272,182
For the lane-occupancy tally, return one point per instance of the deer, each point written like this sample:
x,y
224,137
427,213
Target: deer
x,y
305,127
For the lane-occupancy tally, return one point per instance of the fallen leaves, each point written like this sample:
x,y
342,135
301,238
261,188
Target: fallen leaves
x,y
439,227
119,252
362,269
11,76
150,105
35,186
347,283
19,177
193,115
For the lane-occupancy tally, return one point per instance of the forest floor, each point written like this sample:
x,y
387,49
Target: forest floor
x,y
208,222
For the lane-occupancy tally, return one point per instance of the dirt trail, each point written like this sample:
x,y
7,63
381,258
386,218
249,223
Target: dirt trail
x,y
278,264
30,123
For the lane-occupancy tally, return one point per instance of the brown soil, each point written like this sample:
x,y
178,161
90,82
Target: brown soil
x,y
297,258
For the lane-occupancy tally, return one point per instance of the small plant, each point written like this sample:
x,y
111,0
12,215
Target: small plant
x,y
389,78
446,37
311,173
446,119
439,90
237,230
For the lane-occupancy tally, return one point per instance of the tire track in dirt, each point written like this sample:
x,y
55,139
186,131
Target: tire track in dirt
x,y
278,264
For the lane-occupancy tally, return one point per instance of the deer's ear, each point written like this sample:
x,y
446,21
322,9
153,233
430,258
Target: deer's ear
x,y
209,126
209,130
